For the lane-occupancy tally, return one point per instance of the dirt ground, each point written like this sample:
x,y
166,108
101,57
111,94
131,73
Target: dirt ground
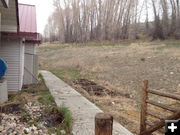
x,y
120,69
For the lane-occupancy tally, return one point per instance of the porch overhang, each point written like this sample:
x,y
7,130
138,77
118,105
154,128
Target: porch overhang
x,y
30,37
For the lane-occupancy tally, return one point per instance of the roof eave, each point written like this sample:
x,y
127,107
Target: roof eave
x,y
20,34
33,41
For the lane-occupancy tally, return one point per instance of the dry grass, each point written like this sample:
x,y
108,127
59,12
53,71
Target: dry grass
x,y
119,68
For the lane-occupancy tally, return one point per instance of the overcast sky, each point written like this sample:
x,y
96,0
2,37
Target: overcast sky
x,y
44,9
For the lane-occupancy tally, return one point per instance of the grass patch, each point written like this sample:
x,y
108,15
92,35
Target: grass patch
x,y
174,43
168,44
70,73
55,46
97,44
67,118
48,47
47,99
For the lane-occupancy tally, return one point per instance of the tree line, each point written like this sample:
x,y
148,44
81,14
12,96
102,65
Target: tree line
x,y
88,20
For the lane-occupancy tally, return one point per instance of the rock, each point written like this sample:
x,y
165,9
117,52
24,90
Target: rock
x,y
11,125
63,132
10,131
30,104
33,128
26,131
1,128
171,73
12,118
113,103
36,132
15,133
3,132
40,131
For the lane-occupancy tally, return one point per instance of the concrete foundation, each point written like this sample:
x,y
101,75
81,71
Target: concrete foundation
x,y
3,90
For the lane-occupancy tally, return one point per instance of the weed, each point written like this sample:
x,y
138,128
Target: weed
x,y
66,123
46,100
25,116
67,118
30,91
98,105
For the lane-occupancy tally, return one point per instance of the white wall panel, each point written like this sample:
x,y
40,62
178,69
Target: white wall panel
x,y
10,51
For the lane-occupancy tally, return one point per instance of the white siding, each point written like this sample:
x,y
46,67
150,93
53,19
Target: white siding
x,y
30,48
30,64
10,51
35,69
21,64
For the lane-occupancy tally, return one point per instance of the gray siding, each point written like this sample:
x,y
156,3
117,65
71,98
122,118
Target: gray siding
x,y
30,64
21,64
10,51
30,48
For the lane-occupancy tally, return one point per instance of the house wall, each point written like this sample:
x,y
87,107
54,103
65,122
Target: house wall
x,y
0,24
3,91
9,17
22,58
11,50
30,65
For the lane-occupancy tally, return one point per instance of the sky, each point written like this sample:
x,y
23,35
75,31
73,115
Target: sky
x,y
44,9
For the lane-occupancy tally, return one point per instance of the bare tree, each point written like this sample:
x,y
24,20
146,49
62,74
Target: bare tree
x,y
87,20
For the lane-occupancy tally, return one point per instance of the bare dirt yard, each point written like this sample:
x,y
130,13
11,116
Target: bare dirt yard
x,y
110,75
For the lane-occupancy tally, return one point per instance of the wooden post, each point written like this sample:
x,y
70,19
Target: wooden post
x,y
143,106
103,124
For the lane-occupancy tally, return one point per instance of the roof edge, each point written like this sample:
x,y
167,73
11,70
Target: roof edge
x,y
33,41
26,4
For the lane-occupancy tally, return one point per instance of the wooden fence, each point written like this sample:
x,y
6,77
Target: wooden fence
x,y
148,127
103,124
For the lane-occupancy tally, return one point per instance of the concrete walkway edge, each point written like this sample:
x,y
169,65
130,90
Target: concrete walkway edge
x,y
82,110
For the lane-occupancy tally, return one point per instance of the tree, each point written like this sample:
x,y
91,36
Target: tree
x,y
88,20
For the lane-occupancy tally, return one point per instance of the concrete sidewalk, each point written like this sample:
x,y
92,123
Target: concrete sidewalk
x,y
83,111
